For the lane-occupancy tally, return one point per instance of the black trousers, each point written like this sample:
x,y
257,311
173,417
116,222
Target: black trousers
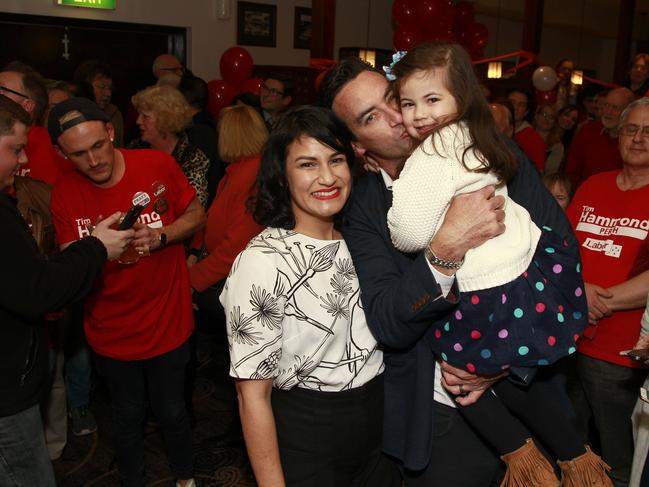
x,y
333,439
162,380
460,458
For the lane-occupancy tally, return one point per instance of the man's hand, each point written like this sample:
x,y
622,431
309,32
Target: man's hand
x,y
460,382
146,238
597,308
642,343
115,241
471,220
369,163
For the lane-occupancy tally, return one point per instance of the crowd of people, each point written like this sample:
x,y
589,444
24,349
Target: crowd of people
x,y
417,285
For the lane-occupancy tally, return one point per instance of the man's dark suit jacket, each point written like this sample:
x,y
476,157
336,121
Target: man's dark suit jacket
x,y
401,299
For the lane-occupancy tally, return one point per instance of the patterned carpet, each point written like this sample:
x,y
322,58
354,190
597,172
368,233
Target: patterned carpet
x,y
89,460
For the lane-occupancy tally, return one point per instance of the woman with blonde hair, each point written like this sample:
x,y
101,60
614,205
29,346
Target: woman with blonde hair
x,y
242,136
164,115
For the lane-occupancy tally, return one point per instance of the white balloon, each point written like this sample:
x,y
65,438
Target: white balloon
x,y
544,78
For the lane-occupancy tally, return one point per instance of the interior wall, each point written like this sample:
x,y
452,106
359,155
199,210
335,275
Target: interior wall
x,y
207,35
352,17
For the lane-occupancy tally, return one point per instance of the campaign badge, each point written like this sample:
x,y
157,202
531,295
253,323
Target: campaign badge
x,y
160,204
141,198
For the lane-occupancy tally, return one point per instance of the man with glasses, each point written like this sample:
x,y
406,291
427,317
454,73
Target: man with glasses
x,y
27,88
167,69
610,216
594,148
275,97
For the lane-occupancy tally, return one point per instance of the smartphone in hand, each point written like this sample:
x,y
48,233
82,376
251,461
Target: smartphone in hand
x,y
641,355
131,217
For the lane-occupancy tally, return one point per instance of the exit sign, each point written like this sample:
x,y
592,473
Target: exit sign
x,y
100,4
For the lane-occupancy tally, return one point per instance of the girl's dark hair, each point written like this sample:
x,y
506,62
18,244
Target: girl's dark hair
x,y
462,83
271,203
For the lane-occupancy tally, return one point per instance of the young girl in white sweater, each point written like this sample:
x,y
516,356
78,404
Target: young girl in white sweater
x,y
522,301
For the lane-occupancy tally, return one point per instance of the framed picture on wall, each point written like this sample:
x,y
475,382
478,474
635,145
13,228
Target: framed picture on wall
x,y
256,24
302,28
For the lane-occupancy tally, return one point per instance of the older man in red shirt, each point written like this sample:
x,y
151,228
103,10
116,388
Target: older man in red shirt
x,y
595,147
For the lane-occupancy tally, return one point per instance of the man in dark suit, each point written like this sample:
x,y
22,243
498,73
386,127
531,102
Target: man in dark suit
x,y
403,294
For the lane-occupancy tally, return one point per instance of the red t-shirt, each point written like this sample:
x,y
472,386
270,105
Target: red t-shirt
x,y
141,310
532,144
592,151
229,224
42,160
611,227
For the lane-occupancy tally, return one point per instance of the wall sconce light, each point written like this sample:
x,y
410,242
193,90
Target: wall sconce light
x,y
368,55
577,77
495,70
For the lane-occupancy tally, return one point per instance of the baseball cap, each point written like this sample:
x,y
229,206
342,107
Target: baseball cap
x,y
71,112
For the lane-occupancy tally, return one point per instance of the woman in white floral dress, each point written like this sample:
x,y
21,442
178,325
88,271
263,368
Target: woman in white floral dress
x,y
308,370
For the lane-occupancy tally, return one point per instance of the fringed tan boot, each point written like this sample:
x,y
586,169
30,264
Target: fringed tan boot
x,y
587,470
527,467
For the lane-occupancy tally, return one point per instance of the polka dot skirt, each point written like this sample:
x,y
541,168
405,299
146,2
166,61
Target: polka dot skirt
x,y
534,320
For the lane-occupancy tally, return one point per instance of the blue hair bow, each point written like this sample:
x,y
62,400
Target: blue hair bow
x,y
389,70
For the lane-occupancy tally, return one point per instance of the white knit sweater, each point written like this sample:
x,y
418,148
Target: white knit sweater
x,y
422,195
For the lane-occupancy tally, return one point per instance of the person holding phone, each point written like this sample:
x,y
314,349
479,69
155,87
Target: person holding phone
x,y
34,285
138,320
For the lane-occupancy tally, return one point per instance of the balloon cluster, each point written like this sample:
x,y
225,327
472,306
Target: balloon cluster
x,y
429,20
236,68
544,80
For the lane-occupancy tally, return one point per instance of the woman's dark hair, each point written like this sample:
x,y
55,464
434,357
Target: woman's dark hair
x,y
271,203
492,149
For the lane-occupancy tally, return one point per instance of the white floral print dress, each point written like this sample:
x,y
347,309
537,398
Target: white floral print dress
x,y
294,314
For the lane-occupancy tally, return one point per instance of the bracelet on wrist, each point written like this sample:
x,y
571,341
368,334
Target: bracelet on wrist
x,y
436,261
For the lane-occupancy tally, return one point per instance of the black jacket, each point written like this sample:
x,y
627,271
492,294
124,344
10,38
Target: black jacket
x,y
401,299
32,285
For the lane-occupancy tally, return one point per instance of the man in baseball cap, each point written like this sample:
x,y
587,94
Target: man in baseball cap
x,y
139,317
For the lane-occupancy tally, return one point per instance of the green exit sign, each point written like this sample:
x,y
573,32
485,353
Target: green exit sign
x,y
100,4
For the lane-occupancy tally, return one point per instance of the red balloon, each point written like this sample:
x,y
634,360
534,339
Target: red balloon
x,y
546,97
251,85
430,12
464,15
477,34
236,65
441,31
403,13
221,94
404,40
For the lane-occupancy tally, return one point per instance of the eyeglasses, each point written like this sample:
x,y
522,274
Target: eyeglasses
x,y
9,90
632,129
271,91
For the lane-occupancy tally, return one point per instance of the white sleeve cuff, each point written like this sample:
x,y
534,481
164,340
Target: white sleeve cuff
x,y
444,281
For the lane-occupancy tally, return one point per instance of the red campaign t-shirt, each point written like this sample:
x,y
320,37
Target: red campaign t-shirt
x,y
43,162
611,226
141,310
